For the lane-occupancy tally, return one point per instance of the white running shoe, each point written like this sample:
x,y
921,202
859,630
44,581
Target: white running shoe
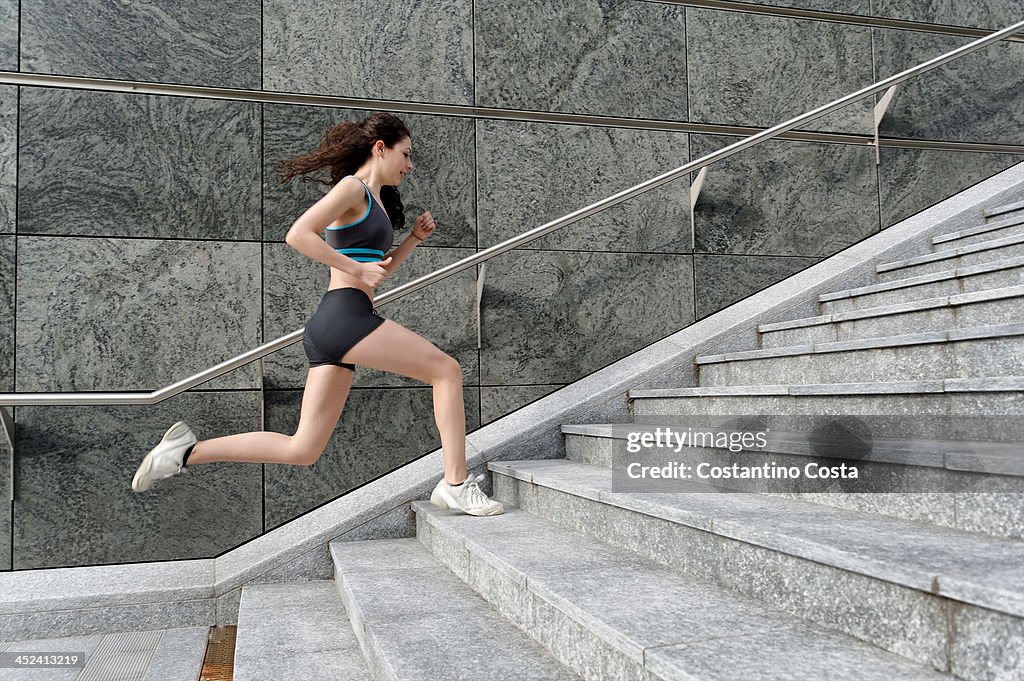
x,y
164,460
468,497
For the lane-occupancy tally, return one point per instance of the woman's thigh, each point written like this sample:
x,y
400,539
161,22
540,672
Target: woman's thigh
x,y
323,399
393,348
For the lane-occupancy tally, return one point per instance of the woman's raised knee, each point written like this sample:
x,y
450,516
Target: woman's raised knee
x,y
446,369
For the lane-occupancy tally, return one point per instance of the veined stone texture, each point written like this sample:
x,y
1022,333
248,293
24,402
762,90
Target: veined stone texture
x,y
549,315
75,504
532,173
113,164
748,69
7,246
976,98
610,57
911,180
134,314
988,14
379,49
9,35
442,180
171,41
8,157
785,198
722,280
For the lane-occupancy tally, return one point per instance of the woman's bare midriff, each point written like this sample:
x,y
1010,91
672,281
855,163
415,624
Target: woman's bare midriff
x,y
341,279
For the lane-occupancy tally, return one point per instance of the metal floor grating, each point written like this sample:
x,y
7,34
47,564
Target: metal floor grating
x,y
219,663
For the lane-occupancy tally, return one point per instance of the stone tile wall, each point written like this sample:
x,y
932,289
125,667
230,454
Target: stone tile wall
x,y
141,236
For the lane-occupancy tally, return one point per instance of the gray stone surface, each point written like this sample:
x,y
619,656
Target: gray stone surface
x,y
137,165
7,284
177,42
442,181
6,482
1004,210
770,200
501,400
105,620
380,54
911,180
8,155
179,655
546,314
860,7
444,314
797,653
92,516
134,314
747,69
987,645
986,107
64,645
1000,249
619,68
725,279
295,630
414,616
991,230
988,14
379,430
533,173
9,38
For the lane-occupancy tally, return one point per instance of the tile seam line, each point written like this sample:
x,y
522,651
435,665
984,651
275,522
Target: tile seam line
x,y
478,112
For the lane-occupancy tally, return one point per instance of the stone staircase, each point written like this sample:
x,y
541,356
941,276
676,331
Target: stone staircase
x,y
921,578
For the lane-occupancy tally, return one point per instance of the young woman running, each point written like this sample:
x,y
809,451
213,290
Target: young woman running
x,y
360,214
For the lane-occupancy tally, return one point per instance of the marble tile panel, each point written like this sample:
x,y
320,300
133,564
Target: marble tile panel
x,y
977,98
105,620
988,14
134,314
137,165
498,401
8,157
532,173
174,41
748,69
444,313
911,180
7,250
375,49
442,180
626,58
9,10
74,503
547,314
724,279
379,431
180,654
785,198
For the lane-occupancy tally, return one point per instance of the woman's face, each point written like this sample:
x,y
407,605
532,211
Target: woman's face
x,y
397,161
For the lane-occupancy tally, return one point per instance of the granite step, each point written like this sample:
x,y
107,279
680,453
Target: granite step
x,y
979,308
416,620
986,276
156,655
1003,210
972,235
609,613
930,594
295,630
985,252
970,486
987,408
996,350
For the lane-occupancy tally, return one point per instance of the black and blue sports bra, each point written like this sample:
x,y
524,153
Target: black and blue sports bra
x,y
368,238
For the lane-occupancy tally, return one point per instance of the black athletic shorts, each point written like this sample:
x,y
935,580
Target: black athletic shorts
x,y
344,317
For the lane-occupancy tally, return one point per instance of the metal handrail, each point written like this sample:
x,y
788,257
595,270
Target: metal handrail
x,y
15,399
